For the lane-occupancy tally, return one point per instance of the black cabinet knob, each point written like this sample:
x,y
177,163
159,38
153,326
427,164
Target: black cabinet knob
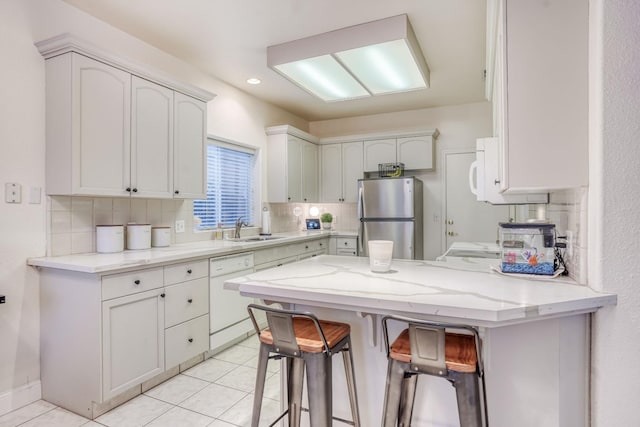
x,y
177,192
135,190
189,271
128,189
162,295
190,340
190,300
137,281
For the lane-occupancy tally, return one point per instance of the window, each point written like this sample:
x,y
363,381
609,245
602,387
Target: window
x,y
230,172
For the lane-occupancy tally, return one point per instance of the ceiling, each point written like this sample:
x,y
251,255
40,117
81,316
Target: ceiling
x,y
228,39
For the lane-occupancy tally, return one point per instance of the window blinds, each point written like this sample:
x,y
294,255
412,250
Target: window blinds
x,y
229,186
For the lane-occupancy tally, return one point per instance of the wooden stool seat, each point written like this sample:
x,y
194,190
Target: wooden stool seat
x,y
307,335
460,351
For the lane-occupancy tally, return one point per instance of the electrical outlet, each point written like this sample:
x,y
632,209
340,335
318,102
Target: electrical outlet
x,y
180,226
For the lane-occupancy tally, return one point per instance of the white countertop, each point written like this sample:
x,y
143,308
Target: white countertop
x,y
430,288
103,263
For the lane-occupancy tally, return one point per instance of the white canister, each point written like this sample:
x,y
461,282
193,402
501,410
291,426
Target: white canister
x,y
138,236
160,236
109,238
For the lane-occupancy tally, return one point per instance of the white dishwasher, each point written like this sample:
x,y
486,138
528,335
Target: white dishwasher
x,y
228,315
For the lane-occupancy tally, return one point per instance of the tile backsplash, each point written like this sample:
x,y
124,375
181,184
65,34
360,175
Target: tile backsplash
x,y
72,220
284,220
567,209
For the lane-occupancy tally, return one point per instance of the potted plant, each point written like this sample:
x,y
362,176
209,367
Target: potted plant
x,y
326,219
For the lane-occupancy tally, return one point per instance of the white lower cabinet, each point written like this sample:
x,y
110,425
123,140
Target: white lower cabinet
x,y
103,336
345,246
286,254
133,341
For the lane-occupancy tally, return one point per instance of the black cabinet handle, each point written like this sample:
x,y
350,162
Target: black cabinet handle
x,y
190,340
190,300
137,281
162,295
189,271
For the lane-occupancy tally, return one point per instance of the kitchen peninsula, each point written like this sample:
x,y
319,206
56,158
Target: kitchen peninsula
x,y
536,333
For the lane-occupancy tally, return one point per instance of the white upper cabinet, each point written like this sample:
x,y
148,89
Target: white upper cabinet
x,y
151,139
341,167
292,165
88,120
114,129
415,152
190,147
379,151
539,88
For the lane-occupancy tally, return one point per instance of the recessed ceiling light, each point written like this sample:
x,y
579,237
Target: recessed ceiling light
x,y
253,81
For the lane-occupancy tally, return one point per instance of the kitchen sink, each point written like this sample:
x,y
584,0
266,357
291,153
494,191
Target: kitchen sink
x,y
257,238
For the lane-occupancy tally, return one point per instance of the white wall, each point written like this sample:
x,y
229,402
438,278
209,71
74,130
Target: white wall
x,y
459,127
233,114
614,208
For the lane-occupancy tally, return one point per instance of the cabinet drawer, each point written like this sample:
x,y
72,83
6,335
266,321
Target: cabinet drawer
x,y
118,285
186,301
186,340
346,243
182,272
346,252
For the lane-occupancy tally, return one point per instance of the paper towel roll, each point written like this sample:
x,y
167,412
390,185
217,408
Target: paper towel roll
x,y
266,222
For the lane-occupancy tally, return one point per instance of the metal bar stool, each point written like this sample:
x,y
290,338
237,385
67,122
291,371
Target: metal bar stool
x,y
425,348
308,344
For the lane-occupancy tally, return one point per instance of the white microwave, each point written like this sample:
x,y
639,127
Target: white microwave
x,y
484,178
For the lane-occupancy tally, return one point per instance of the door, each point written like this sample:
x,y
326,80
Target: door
x,y
294,169
466,219
101,128
190,128
330,177
379,151
132,340
400,232
151,139
352,170
387,198
309,172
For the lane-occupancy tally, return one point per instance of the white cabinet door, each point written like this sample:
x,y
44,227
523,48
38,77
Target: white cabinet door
x,y
544,91
151,139
189,178
352,170
132,341
100,120
309,171
331,173
415,152
379,151
293,169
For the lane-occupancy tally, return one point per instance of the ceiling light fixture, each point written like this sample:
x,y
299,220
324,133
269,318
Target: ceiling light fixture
x,y
374,58
253,81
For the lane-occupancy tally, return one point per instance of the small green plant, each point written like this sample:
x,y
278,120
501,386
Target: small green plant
x,y
326,217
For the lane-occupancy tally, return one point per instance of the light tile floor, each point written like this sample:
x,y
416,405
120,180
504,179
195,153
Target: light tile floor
x,y
216,393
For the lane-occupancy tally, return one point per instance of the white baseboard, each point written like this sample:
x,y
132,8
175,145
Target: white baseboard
x,y
19,397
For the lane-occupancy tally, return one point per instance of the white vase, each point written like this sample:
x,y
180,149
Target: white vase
x,y
326,226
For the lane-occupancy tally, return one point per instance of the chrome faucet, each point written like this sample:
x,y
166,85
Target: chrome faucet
x,y
239,224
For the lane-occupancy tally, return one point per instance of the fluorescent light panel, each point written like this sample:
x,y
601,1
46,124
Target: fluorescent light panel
x,y
375,58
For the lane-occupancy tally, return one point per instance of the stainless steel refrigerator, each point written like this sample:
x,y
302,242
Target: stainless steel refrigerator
x,y
391,209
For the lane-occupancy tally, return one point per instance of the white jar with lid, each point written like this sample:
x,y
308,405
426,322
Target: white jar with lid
x,y
109,238
160,236
138,236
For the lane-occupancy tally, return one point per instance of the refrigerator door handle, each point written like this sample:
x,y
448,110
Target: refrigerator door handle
x,y
360,201
361,238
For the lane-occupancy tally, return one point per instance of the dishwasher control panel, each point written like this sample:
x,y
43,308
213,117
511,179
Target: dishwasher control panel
x,y
230,264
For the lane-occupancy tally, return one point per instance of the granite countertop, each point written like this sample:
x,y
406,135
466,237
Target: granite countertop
x,y
475,295
103,263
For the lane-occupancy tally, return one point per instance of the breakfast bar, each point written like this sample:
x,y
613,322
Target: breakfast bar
x,y
535,332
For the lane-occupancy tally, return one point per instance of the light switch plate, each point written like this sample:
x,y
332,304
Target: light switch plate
x,y
180,226
13,192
